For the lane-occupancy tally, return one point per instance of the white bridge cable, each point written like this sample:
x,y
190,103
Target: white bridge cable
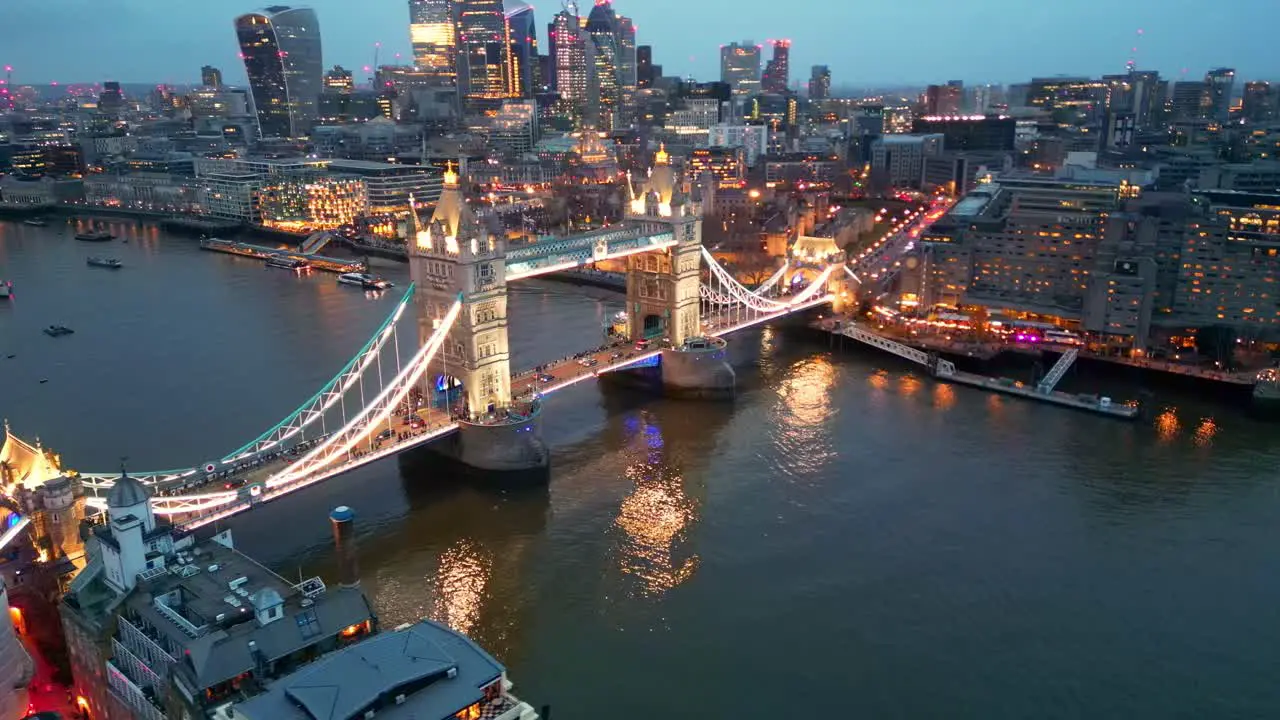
x,y
386,401
315,408
736,289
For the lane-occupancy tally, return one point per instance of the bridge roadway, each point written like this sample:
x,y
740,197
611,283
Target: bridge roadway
x,y
435,423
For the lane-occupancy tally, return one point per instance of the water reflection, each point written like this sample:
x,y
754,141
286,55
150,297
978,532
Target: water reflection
x,y
944,396
458,587
1205,432
655,517
806,391
1167,425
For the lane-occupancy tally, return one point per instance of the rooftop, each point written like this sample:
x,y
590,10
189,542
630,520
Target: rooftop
x,y
372,166
438,672
212,601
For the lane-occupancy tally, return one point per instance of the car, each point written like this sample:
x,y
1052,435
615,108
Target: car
x,y
385,434
642,344
545,378
615,356
592,362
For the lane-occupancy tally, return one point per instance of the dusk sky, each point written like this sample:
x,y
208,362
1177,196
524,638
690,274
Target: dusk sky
x,y
880,42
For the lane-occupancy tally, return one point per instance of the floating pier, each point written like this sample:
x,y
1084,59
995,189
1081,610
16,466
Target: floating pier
x,y
260,252
945,370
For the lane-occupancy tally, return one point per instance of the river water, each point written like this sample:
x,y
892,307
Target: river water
x,y
916,549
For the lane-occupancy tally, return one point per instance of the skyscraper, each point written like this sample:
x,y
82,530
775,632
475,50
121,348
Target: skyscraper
x,y
1189,100
943,99
820,83
1219,83
482,53
602,30
740,68
570,69
434,37
210,76
522,48
777,74
644,66
281,51
1258,103
627,73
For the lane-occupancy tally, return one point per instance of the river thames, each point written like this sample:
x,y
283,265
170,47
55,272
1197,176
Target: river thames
x,y
917,549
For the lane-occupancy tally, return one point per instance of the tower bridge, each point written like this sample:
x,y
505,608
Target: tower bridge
x,y
456,394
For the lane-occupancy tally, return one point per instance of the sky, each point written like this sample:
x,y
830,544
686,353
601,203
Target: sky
x,y
865,43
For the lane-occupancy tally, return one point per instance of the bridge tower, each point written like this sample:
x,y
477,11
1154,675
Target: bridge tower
x,y
663,301
662,287
459,257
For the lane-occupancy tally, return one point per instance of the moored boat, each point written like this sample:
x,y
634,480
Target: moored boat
x,y
35,222
58,330
105,262
288,263
95,236
364,280
6,290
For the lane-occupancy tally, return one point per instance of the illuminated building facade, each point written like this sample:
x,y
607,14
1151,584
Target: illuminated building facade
x,y
483,72
571,70
281,51
726,164
1230,264
434,36
740,68
1189,100
522,49
309,204
777,74
1027,245
339,80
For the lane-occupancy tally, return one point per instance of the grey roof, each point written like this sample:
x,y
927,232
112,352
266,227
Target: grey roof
x,y
414,662
221,649
126,492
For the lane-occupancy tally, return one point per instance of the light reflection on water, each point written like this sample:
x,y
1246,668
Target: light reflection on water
x,y
458,592
655,519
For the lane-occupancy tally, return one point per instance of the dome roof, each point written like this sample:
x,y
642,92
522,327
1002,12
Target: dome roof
x,y
127,492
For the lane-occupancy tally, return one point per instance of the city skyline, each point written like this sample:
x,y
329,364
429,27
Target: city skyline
x,y
687,38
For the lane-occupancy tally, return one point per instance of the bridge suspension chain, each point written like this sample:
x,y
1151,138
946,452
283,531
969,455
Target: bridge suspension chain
x,y
313,410
381,407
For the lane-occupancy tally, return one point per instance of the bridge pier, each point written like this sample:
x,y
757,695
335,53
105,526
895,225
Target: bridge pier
x,y
506,451
698,369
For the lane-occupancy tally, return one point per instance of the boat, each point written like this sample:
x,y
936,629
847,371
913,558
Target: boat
x,y
58,330
105,262
1266,392
94,236
364,280
288,263
6,290
35,222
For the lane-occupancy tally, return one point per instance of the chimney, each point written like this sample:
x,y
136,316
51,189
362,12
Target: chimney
x,y
344,541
